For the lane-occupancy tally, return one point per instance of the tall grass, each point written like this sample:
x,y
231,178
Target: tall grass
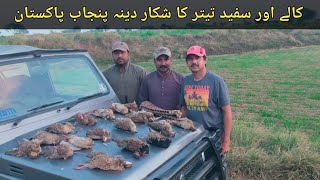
x,y
261,153
149,33
143,42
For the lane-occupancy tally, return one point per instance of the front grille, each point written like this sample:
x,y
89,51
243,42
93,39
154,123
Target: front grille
x,y
190,169
202,163
16,171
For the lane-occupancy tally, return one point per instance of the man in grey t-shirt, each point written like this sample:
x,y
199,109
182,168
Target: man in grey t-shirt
x,y
162,87
204,96
124,77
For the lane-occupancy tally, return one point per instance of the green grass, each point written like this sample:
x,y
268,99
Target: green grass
x,y
276,101
315,95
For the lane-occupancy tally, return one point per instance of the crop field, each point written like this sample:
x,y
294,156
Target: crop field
x,y
275,98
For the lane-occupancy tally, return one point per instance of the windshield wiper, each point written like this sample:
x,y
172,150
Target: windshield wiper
x,y
34,110
45,105
79,100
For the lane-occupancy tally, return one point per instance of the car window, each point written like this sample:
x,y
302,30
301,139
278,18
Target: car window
x,y
74,78
29,83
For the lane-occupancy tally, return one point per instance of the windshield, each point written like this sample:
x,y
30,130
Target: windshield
x,y
46,82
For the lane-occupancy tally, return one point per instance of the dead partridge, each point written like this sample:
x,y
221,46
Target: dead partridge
x,y
158,139
138,146
60,128
104,113
29,149
91,154
141,116
99,133
47,138
183,123
85,119
120,108
105,162
80,142
125,124
164,127
132,106
61,151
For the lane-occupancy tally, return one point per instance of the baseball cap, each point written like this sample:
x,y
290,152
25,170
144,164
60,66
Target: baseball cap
x,y
197,50
119,45
161,51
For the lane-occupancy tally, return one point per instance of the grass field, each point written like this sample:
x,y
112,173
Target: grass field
x,y
276,111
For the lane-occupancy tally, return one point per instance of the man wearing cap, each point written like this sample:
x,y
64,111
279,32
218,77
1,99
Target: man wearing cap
x,y
162,87
124,77
204,97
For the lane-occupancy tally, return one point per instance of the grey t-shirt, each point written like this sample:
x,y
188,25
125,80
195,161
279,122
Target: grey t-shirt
x,y
204,99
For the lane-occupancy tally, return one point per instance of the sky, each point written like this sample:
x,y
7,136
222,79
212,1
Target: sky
x,y
5,32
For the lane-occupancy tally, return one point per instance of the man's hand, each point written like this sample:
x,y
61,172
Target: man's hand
x,y
184,110
225,146
227,119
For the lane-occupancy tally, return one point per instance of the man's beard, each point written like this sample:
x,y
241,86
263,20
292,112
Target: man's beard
x,y
122,63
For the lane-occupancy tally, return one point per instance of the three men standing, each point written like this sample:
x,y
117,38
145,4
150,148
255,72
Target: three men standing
x,y
203,96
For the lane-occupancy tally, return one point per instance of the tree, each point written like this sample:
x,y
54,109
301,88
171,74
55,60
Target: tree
x,y
16,28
